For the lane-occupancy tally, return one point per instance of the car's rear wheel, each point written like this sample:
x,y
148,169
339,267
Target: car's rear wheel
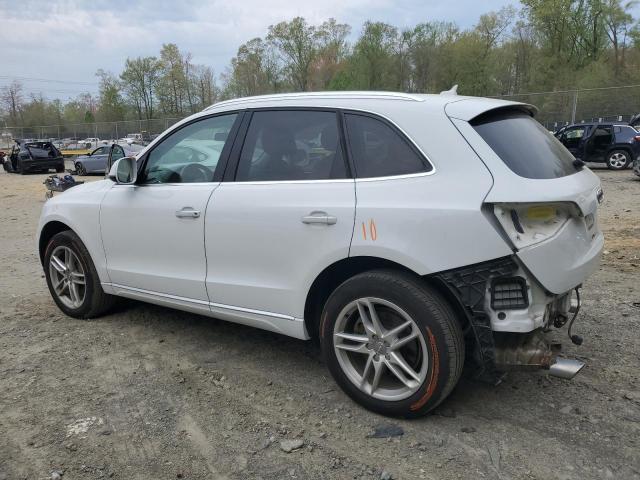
x,y
72,278
80,170
60,169
618,160
392,343
22,169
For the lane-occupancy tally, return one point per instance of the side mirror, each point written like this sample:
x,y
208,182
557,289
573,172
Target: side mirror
x,y
124,171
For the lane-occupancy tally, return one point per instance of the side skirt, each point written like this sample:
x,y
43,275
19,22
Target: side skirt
x,y
273,322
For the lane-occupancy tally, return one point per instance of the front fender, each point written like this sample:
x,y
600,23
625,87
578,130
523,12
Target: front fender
x,y
79,209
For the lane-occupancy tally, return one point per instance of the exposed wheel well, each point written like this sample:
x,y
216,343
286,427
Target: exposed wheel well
x,y
624,148
335,274
48,231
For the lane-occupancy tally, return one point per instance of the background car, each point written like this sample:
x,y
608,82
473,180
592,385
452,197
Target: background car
x,y
617,145
34,157
96,161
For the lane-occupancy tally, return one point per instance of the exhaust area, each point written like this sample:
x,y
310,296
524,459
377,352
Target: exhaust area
x,y
533,352
565,368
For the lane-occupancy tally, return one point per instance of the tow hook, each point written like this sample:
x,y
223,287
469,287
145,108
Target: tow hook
x,y
575,309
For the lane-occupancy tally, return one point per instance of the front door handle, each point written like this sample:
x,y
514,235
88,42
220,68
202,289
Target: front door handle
x,y
187,212
319,218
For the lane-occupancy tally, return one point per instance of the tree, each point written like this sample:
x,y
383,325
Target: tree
x,y
139,79
373,56
111,105
11,97
297,44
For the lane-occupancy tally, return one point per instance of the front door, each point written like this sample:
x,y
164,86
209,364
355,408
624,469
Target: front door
x,y
573,139
153,231
285,215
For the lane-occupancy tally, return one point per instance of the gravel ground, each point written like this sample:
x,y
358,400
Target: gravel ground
x,y
151,393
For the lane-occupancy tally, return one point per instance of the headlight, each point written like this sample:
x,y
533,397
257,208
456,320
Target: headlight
x,y
527,223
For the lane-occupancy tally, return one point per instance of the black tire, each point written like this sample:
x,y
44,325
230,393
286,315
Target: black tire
x,y
21,169
436,321
80,170
60,169
96,302
613,162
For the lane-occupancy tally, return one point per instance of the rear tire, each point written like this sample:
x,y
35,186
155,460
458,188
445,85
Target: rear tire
x,y
21,169
356,355
72,266
60,169
618,160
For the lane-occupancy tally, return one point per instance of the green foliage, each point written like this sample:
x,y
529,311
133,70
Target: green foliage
x,y
546,45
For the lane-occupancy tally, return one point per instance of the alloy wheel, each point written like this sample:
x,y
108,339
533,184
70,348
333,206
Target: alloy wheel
x,y
381,349
67,277
618,160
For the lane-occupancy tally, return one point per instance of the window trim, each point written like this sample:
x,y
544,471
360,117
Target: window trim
x,y
224,154
234,157
403,136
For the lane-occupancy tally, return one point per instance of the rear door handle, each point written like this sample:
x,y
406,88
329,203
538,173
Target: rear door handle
x,y
319,218
187,212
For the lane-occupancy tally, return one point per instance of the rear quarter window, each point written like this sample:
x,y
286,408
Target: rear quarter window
x,y
524,145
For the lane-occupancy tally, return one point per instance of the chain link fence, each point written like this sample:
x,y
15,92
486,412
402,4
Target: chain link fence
x,y
556,109
607,104
73,134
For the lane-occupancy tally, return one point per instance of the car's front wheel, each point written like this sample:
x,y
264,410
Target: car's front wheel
x,y
80,170
618,160
72,278
392,343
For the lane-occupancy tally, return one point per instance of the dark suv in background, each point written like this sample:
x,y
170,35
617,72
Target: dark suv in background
x,y
615,144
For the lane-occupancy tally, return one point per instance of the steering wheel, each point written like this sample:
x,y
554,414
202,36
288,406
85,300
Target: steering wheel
x,y
194,172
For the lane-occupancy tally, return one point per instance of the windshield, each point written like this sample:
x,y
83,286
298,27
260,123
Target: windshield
x,y
524,145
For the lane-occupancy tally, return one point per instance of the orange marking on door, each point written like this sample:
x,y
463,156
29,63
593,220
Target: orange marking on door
x,y
373,230
364,231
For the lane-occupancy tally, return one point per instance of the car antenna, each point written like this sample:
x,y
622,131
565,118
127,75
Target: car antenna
x,y
452,91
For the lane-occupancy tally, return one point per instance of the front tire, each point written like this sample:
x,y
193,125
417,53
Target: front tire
x,y
618,160
72,278
392,343
80,170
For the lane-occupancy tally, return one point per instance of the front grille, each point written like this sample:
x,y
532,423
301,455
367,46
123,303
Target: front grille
x,y
509,293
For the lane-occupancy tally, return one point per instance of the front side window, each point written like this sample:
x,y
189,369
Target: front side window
x,y
379,151
190,154
291,145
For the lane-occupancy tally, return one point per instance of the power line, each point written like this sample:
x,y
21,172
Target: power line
x,y
48,80
574,90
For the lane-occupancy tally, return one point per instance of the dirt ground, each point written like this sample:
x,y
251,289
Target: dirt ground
x,y
151,393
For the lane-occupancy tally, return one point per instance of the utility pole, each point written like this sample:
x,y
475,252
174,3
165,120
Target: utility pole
x,y
575,106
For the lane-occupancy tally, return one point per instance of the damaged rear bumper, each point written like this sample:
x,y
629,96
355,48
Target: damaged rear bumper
x,y
508,312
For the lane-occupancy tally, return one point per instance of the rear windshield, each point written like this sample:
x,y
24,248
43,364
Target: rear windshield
x,y
524,145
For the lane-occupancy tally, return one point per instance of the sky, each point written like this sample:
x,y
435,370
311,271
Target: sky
x,y
55,47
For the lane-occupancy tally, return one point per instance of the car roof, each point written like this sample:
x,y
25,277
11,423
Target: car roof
x,y
465,108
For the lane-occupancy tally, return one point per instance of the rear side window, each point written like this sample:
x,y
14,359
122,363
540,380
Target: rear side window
x,y
524,145
379,151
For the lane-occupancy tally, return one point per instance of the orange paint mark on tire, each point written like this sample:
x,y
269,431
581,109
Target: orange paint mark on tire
x,y
433,378
373,230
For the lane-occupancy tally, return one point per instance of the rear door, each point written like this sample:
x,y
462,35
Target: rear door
x,y
598,144
285,213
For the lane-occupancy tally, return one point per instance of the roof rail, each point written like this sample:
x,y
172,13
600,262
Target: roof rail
x,y
333,94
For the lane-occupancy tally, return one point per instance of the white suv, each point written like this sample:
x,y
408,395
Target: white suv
x,y
406,232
